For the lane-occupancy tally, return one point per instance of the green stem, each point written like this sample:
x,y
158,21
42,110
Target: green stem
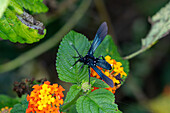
x,y
53,41
68,105
135,53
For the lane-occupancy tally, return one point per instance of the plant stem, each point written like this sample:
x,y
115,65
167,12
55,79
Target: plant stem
x,y
66,106
53,41
134,54
143,49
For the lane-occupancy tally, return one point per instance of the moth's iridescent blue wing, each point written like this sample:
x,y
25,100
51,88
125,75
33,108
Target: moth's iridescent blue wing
x,y
103,64
100,35
103,76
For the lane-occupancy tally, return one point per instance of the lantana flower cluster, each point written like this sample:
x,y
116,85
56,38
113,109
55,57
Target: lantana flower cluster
x,y
115,74
45,98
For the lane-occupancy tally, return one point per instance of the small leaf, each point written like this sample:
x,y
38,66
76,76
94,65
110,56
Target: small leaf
x,y
20,108
72,93
65,58
99,83
36,6
108,47
3,6
98,101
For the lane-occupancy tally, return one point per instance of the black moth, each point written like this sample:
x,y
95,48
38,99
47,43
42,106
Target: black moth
x,y
92,61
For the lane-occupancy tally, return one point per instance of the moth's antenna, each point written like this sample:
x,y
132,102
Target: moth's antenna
x,y
71,44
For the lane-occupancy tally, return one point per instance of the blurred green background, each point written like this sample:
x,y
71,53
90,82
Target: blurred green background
x,y
147,88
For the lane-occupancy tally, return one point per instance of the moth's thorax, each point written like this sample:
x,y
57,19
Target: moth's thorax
x,y
88,59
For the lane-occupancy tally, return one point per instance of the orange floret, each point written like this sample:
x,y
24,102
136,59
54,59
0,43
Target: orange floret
x,y
115,71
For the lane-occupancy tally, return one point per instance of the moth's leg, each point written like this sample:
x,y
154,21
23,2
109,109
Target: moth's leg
x,y
76,50
76,57
89,74
81,67
74,64
102,57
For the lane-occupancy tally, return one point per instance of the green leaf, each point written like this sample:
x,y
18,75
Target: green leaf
x,y
7,101
98,101
3,6
16,31
65,58
20,108
98,83
72,93
108,47
118,111
15,7
160,27
72,109
35,6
